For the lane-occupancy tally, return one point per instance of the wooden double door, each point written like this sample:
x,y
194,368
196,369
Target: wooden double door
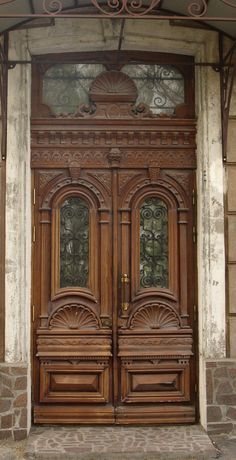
x,y
113,274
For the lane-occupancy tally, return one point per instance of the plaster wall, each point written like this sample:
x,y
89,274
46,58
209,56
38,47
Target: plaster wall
x,y
80,35
230,217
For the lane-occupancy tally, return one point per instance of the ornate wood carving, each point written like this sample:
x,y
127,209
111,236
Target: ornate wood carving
x,y
75,170
182,178
114,157
104,178
124,178
154,173
98,158
73,317
78,136
46,177
98,192
114,154
113,86
155,316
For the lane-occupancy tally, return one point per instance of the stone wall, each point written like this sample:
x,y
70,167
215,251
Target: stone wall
x,y
13,401
221,396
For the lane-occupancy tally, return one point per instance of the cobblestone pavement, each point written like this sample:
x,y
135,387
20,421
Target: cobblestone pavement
x,y
226,446
116,443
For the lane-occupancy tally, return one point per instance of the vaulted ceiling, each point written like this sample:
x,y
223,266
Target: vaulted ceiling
x,y
217,14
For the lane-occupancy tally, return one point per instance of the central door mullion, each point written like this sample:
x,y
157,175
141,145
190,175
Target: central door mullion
x,y
115,253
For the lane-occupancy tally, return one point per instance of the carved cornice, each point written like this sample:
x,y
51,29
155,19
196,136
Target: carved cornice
x,y
160,137
81,347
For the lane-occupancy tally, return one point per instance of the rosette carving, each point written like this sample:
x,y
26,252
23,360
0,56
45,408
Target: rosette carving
x,y
155,316
73,316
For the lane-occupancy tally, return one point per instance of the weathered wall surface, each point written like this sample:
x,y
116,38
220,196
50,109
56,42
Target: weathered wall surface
x,y
230,227
2,235
17,247
2,251
91,35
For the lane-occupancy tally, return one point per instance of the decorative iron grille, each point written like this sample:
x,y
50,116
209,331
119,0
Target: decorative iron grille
x,y
193,10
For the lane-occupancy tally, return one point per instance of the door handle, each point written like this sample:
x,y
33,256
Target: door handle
x,y
124,292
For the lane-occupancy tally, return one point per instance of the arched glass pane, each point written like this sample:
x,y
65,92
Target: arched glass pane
x,y
154,244
66,86
74,243
160,87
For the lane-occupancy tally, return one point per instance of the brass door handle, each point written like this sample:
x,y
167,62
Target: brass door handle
x,y
124,292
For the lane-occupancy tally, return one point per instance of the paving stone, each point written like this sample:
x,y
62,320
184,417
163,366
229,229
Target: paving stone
x,y
116,443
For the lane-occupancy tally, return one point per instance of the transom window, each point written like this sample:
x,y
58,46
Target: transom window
x,y
66,86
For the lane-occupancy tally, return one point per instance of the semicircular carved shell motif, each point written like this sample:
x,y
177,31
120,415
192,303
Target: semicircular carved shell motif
x,y
155,316
113,85
73,317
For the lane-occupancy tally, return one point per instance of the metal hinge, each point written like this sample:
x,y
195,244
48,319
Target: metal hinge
x,y
33,313
193,197
195,388
194,234
195,312
34,234
34,197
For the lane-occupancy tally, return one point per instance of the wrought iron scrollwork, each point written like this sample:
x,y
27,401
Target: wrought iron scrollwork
x,y
153,243
160,87
197,8
132,8
74,243
194,9
52,7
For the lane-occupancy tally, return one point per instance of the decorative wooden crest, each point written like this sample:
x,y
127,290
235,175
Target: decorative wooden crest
x,y
73,316
112,95
113,86
155,316
74,170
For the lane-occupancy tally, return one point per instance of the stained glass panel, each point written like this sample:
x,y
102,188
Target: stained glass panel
x,y
153,244
74,243
66,86
160,87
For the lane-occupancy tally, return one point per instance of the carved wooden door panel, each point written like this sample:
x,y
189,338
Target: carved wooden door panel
x,y
156,295
114,261
73,371
115,255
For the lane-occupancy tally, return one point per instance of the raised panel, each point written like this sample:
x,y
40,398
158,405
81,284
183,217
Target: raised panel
x,y
75,382
78,383
155,382
147,382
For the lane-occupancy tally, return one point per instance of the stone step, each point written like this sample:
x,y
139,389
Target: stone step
x,y
181,455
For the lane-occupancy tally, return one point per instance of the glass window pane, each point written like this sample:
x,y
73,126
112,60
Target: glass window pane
x,y
74,243
154,244
160,87
66,86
